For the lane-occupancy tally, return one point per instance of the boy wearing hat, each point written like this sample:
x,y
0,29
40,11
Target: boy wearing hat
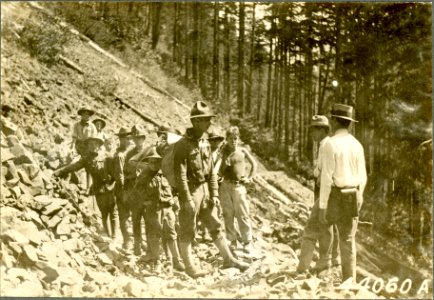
x,y
100,124
96,164
198,190
82,130
343,180
159,215
118,175
233,191
133,189
314,231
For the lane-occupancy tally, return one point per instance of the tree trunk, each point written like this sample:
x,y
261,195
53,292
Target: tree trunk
x,y
240,91
252,63
195,42
269,99
216,68
187,39
227,67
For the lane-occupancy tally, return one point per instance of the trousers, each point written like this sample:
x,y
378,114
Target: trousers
x,y
202,209
233,199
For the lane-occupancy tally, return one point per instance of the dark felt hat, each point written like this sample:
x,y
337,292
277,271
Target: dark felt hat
x,y
83,110
343,111
123,132
138,131
215,134
201,110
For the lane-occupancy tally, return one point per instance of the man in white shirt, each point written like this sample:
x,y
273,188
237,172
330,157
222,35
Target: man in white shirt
x,y
314,231
343,180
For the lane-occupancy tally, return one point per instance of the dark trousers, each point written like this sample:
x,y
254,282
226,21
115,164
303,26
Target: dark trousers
x,y
106,205
206,213
124,213
342,211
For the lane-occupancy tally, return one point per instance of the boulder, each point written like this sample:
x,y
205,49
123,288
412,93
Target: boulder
x,y
6,154
68,276
7,260
16,248
133,289
43,200
51,209
50,270
104,259
51,222
31,256
15,236
63,228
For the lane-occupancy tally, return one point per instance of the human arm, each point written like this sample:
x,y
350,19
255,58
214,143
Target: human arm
x,y
327,171
252,161
69,168
180,170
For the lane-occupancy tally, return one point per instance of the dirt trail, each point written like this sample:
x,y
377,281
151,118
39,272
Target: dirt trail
x,y
50,240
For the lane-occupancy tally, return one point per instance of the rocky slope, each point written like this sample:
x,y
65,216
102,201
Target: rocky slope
x,y
50,235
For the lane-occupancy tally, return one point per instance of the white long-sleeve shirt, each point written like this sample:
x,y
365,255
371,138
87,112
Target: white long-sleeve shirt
x,y
342,165
318,162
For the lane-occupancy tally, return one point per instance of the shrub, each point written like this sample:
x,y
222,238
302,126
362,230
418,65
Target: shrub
x,y
43,39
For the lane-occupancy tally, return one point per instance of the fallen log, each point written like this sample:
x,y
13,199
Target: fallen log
x,y
69,63
271,189
140,114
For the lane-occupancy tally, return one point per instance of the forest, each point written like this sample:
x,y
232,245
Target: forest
x,y
268,67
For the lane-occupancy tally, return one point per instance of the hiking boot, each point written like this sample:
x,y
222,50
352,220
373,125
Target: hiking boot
x,y
229,260
178,265
137,249
127,245
321,266
156,266
185,249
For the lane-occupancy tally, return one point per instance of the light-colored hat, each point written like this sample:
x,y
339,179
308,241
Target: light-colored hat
x,y
96,137
319,121
343,111
99,120
201,110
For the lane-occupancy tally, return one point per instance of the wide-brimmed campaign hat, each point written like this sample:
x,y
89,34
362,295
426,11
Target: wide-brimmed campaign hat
x,y
319,121
152,154
123,132
96,137
83,110
138,131
343,111
201,110
99,120
214,134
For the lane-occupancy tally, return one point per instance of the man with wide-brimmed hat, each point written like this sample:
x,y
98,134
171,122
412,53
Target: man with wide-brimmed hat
x,y
343,180
118,174
100,123
83,129
159,215
97,165
327,236
198,189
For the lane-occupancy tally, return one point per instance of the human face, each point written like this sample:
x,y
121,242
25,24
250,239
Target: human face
x,y
98,125
85,116
233,141
93,146
139,141
201,124
317,133
215,144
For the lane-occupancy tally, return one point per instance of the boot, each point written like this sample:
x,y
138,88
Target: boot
x,y
137,248
306,254
126,245
228,260
153,250
177,264
185,249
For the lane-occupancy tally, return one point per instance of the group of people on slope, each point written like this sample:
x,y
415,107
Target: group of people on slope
x,y
170,186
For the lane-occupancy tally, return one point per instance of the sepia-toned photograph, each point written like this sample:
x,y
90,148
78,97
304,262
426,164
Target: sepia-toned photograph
x,y
216,150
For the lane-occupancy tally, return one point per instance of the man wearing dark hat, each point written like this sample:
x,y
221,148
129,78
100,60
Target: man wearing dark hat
x,y
83,129
96,164
118,175
198,190
314,231
343,180
133,191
